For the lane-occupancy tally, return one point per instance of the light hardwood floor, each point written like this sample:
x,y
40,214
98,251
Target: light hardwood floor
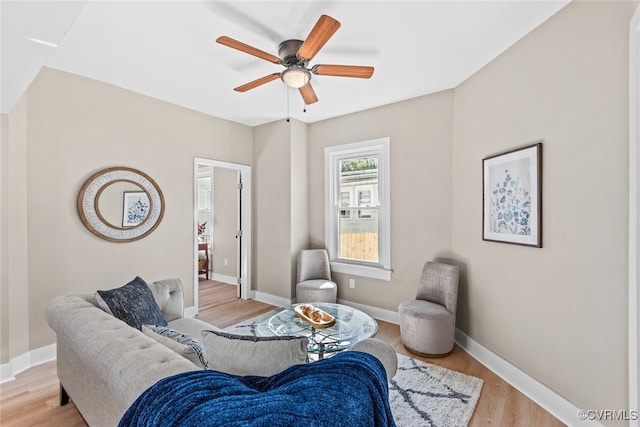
x,y
32,399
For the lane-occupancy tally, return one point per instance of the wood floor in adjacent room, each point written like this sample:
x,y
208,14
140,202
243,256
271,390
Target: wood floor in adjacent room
x,y
32,399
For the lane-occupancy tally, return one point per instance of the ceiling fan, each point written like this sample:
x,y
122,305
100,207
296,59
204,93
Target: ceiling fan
x,y
295,55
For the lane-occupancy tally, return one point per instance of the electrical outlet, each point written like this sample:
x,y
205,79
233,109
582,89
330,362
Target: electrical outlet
x,y
226,262
352,283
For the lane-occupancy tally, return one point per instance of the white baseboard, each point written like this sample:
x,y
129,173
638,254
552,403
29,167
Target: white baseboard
x,y
270,299
231,280
551,401
375,312
8,371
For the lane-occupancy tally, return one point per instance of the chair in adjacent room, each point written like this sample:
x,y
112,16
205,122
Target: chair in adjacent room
x,y
314,277
427,324
203,259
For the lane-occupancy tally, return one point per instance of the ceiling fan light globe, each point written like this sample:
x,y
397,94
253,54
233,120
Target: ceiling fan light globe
x,y
295,77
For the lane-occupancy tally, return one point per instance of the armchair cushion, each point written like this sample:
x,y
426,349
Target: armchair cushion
x,y
424,310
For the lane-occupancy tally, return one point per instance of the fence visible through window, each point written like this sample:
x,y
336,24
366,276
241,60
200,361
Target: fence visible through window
x,y
359,246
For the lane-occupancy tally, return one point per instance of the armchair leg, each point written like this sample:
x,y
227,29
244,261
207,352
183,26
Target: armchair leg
x,y
64,397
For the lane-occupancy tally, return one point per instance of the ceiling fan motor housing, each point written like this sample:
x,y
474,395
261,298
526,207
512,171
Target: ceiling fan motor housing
x,y
288,53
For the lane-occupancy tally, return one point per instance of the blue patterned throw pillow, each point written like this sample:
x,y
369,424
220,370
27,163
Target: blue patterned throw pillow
x,y
183,344
134,304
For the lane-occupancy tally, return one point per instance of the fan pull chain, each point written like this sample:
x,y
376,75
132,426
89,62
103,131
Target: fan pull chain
x,y
288,114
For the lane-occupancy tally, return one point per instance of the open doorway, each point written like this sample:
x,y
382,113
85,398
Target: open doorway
x,y
222,225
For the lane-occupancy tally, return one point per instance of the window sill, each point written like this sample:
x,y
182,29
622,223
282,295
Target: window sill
x,y
361,270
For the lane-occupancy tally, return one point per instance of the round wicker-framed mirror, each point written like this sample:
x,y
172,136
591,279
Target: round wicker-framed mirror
x,y
142,208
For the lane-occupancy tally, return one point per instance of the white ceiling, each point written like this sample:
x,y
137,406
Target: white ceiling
x,y
167,50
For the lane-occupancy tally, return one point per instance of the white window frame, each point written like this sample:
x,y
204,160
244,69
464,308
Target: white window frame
x,y
332,156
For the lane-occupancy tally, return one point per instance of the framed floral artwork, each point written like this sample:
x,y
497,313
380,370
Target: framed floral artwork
x,y
135,208
512,196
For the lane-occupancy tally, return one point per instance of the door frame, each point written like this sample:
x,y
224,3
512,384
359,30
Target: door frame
x,y
244,261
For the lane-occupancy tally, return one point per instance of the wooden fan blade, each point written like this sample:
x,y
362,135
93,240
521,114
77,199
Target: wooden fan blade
x,y
308,94
319,35
357,71
257,82
242,47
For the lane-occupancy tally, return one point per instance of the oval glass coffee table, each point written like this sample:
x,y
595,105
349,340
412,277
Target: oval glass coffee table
x,y
351,326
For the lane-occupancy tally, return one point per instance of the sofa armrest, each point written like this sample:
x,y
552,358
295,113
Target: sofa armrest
x,y
383,351
169,295
104,364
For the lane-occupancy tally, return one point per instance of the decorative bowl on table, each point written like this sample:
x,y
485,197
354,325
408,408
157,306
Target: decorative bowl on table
x,y
314,316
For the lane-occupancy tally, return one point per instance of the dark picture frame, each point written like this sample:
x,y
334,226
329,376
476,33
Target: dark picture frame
x,y
512,196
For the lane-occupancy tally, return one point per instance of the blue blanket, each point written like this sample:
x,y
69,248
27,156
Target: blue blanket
x,y
349,389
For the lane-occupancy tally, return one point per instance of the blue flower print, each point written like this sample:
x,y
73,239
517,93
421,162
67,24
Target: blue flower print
x,y
510,207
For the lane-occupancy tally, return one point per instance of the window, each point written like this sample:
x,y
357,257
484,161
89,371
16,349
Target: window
x,y
364,199
357,177
345,200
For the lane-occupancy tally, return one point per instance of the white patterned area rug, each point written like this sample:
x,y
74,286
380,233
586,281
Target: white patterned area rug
x,y
423,394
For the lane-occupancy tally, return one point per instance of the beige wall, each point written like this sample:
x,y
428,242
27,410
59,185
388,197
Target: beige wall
x,y
281,226
272,204
77,126
420,131
4,242
299,195
15,257
558,313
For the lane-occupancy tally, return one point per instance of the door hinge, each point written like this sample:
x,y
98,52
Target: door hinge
x,y
240,186
239,233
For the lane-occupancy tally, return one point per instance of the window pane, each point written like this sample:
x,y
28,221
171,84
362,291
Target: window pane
x,y
358,228
358,236
359,181
345,201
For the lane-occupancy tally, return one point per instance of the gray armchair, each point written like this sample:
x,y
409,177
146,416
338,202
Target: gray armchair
x,y
314,277
427,324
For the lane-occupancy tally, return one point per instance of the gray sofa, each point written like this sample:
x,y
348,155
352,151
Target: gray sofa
x,y
105,364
